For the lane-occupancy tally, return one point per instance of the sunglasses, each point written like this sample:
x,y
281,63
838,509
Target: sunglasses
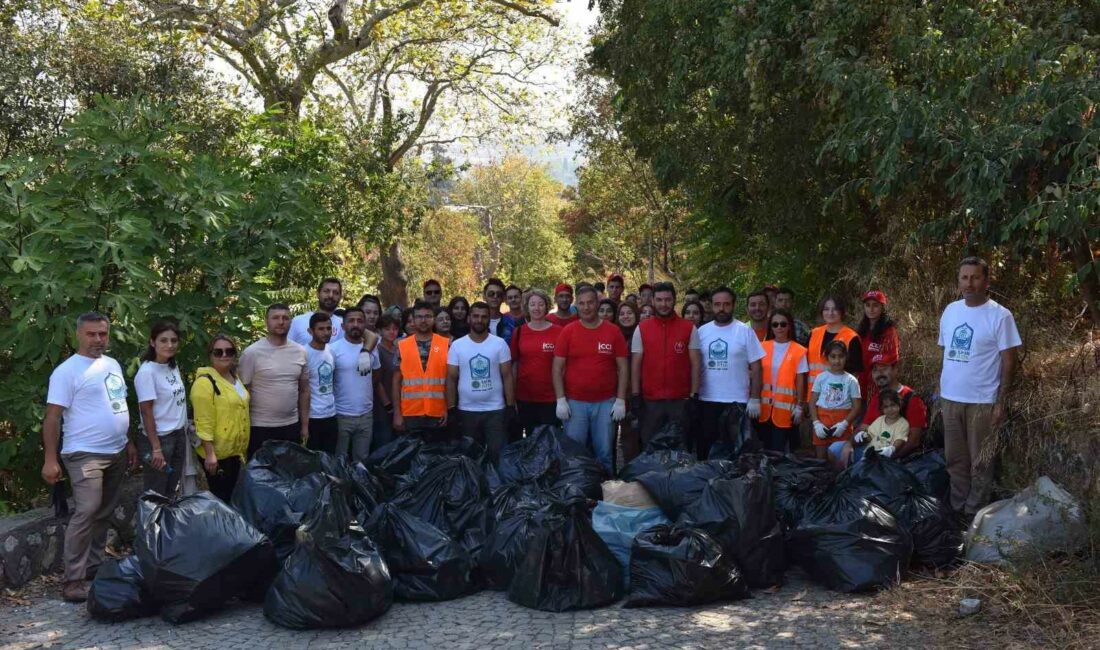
x,y
223,352
781,324
433,293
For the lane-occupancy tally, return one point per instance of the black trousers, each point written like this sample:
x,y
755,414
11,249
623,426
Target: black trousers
x,y
259,435
660,412
322,434
775,438
223,481
537,414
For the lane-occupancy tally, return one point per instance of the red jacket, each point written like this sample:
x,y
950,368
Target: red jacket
x,y
666,365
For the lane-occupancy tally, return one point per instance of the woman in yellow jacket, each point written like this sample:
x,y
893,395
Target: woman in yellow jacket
x,y
220,403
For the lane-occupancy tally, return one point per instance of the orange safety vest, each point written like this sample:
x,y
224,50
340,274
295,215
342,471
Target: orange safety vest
x,y
817,361
777,402
423,390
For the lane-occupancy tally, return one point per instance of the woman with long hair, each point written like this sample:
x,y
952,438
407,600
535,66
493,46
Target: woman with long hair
x,y
879,334
459,309
693,311
783,373
532,347
833,310
606,310
162,402
627,317
220,402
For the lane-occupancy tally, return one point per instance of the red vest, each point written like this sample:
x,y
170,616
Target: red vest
x,y
666,366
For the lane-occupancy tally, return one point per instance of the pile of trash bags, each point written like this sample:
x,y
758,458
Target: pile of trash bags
x,y
324,543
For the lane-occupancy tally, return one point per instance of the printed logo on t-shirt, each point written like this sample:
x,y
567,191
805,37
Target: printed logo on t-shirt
x,y
678,347
116,392
480,379
604,348
961,340
547,346
718,354
324,378
834,393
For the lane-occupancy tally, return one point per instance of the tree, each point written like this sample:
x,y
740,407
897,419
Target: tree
x,y
393,66
522,237
129,220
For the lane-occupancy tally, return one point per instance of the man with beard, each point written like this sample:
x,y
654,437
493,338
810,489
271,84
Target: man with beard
x,y
884,372
758,306
420,378
356,383
481,402
322,401
87,397
329,294
563,298
731,375
275,371
590,376
433,293
664,373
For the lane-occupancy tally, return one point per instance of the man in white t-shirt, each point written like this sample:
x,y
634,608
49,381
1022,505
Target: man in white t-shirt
x,y
275,371
729,386
356,382
481,402
87,398
979,340
329,294
322,400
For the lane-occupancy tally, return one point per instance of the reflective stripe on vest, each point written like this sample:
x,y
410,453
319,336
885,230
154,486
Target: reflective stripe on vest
x,y
422,391
818,362
777,401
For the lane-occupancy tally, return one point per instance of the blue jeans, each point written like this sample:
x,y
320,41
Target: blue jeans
x,y
837,448
590,424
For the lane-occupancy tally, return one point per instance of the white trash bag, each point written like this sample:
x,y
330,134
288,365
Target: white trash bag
x,y
1041,519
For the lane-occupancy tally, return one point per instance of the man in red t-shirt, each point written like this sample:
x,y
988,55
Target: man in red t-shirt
x,y
590,374
563,298
884,372
665,366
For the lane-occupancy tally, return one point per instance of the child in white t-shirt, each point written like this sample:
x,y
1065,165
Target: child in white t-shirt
x,y
834,401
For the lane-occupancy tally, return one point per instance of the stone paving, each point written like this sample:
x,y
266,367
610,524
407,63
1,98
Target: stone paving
x,y
799,615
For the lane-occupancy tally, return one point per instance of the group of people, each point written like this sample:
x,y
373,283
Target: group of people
x,y
611,369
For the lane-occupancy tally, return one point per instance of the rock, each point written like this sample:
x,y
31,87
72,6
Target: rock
x,y
969,606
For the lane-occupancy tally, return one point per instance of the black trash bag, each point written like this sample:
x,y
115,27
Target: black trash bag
x,y
196,553
739,514
676,489
537,457
279,485
669,437
681,566
507,499
425,563
937,538
464,446
582,472
566,566
450,493
118,592
366,491
740,435
656,461
394,459
795,482
930,468
848,543
336,576
507,546
879,478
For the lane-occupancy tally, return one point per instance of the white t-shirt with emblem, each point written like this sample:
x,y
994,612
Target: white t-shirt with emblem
x,y
354,377
972,339
322,366
727,352
480,387
299,329
161,384
93,394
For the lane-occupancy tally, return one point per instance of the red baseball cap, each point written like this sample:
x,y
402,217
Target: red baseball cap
x,y
876,295
616,276
563,287
884,359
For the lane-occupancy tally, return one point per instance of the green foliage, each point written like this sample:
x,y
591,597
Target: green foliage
x,y
128,220
814,134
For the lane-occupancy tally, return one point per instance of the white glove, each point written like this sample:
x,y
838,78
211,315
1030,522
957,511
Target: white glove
x,y
753,409
364,362
860,437
819,429
887,452
618,411
840,428
796,414
562,409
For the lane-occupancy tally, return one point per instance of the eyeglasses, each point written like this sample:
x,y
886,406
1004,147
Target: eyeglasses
x,y
223,352
434,292
781,324
492,294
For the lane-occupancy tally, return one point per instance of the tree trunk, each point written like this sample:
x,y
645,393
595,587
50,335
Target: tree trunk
x,y
394,286
1090,281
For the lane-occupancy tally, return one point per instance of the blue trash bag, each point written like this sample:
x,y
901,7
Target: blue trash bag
x,y
618,525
